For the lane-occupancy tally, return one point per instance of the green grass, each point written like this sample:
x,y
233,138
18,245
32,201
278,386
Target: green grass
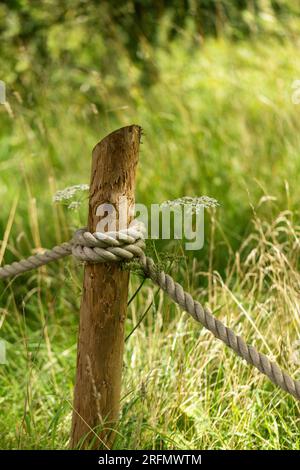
x,y
218,120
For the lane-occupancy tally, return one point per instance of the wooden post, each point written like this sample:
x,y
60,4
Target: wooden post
x,y
104,302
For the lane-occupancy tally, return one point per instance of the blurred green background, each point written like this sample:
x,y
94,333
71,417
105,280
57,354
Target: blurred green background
x,y
211,83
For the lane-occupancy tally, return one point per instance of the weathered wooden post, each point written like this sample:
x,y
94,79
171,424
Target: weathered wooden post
x,y
104,302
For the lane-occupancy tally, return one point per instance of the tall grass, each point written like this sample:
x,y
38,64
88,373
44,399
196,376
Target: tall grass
x,y
218,120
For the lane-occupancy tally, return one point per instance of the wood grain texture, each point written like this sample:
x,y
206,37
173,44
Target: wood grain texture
x,y
104,302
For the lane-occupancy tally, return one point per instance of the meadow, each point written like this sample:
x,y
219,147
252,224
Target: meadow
x,y
218,119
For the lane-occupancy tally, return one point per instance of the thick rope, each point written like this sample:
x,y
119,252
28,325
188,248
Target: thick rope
x,y
36,261
128,244
89,247
219,330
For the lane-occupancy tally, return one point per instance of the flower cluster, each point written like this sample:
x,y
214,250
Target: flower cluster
x,y
195,204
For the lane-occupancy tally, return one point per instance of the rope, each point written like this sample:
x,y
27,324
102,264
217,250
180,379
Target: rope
x,y
95,247
36,261
128,244
219,330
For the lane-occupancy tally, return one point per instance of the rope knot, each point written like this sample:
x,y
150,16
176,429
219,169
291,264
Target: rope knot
x,y
101,247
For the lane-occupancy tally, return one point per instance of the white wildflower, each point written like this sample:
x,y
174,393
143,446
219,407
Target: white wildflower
x,y
195,204
70,192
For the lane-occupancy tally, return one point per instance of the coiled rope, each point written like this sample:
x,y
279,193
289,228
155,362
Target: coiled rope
x,y
128,244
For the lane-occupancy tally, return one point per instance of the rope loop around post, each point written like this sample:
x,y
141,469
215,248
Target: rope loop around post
x,y
100,247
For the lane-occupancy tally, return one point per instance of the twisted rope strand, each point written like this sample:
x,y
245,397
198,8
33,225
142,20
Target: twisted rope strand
x,y
88,247
128,244
36,261
204,316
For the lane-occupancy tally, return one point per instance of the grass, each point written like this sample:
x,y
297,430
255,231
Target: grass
x,y
218,120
